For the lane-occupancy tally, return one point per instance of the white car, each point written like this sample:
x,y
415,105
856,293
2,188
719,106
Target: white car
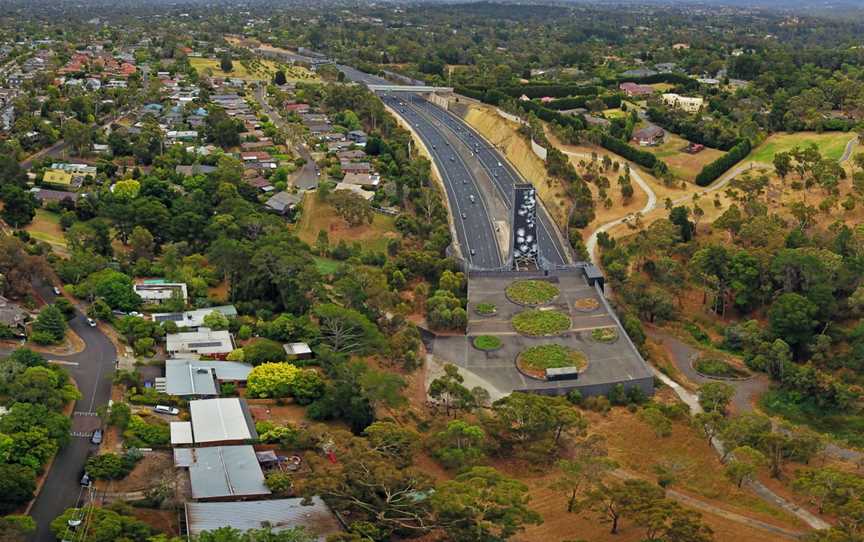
x,y
91,322
162,409
57,290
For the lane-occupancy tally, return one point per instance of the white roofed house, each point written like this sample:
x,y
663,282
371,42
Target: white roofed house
x,y
222,473
203,342
192,320
217,422
156,292
314,516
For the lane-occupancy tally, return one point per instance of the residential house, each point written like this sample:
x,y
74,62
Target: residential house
x,y
46,194
216,422
260,183
684,103
297,350
200,378
13,317
195,169
283,202
649,136
57,177
203,342
365,194
635,89
157,291
314,517
357,136
366,180
222,473
195,318
355,167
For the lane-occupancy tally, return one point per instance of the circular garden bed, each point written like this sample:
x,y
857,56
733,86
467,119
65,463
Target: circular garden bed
x,y
485,309
712,367
534,361
586,304
532,292
487,343
604,334
539,323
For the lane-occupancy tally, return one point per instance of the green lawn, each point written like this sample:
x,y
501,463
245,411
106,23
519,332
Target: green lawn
x,y
46,227
830,144
326,266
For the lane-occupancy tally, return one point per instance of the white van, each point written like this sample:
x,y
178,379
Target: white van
x,y
162,409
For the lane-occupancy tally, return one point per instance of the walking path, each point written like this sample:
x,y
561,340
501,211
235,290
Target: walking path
x,y
847,152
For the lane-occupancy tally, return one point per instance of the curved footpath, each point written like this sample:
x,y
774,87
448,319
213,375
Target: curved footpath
x,y
686,396
92,370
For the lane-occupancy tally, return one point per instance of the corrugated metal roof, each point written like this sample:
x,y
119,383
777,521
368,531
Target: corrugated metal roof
x,y
181,433
226,471
281,514
222,419
195,377
183,457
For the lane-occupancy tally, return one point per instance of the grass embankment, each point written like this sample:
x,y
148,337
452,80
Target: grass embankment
x,y
318,215
830,144
503,134
46,227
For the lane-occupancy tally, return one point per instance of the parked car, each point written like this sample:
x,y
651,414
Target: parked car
x,y
85,480
163,409
97,437
57,290
91,322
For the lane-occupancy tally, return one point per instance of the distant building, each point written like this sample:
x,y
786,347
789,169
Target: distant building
x,y
297,350
161,291
649,136
684,103
365,194
195,169
366,180
634,89
283,202
13,316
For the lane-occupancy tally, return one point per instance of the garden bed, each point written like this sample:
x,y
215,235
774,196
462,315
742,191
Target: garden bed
x,y
540,323
604,335
485,309
534,361
712,367
532,292
486,343
586,304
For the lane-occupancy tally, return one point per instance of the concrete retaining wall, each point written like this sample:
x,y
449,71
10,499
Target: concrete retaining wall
x,y
540,151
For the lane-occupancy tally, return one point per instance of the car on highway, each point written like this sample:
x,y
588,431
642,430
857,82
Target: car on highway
x,y
163,409
471,198
96,438
57,290
464,216
473,252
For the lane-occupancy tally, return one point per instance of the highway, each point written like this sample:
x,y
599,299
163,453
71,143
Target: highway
x,y
503,175
474,230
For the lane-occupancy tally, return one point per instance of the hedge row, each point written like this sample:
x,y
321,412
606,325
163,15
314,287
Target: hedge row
x,y
670,78
544,113
611,101
721,165
643,158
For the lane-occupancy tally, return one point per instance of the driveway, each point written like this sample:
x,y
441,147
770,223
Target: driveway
x,y
92,370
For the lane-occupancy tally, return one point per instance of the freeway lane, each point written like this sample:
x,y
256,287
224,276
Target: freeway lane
x,y
504,176
473,225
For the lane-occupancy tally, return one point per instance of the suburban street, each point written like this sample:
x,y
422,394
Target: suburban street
x,y
92,370
307,177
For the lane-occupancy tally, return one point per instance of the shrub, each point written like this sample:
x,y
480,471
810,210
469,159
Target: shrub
x,y
532,292
718,367
574,397
111,466
271,380
487,342
598,404
307,386
263,350
604,334
485,309
539,323
143,434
